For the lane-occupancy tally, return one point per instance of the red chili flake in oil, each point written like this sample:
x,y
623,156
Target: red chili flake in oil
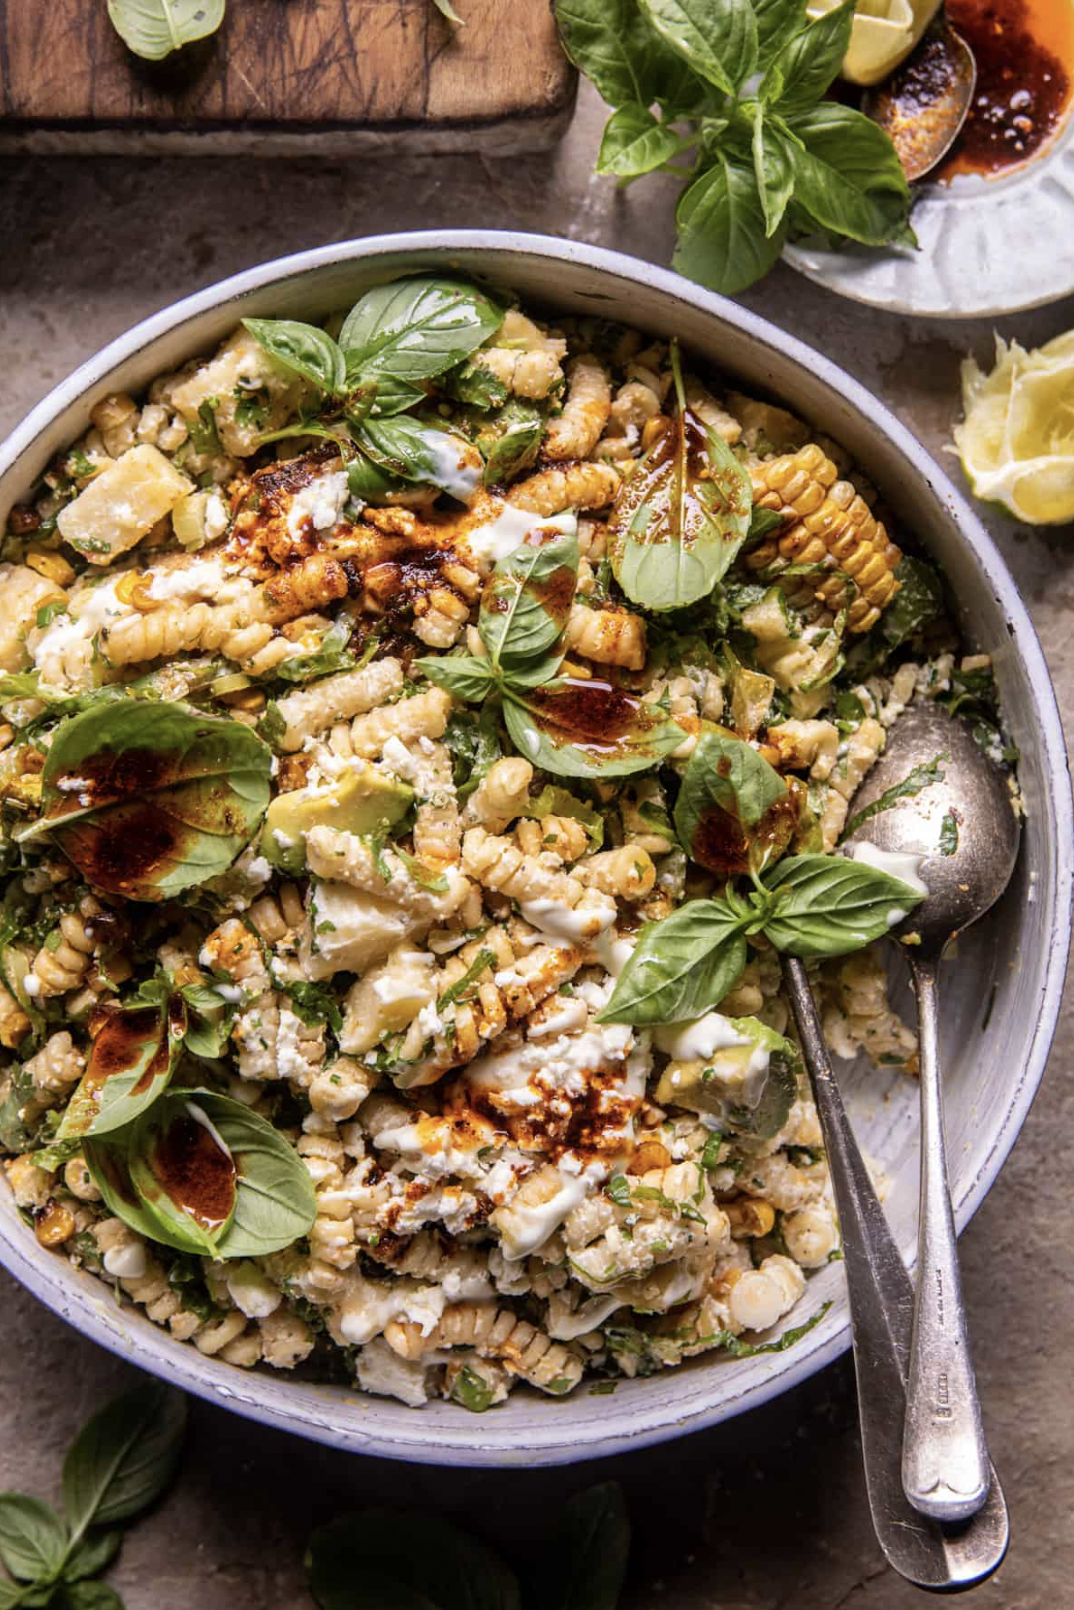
x,y
1025,57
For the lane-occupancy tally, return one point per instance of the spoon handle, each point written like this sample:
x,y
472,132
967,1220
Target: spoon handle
x,y
945,1470
881,1309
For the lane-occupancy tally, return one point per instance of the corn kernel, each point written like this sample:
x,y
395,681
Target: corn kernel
x,y
55,1225
53,566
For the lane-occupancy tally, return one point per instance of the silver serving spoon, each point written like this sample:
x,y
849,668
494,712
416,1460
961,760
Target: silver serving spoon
x,y
964,829
926,100
926,1552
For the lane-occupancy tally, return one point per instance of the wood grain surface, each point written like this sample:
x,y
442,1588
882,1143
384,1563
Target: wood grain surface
x,y
387,69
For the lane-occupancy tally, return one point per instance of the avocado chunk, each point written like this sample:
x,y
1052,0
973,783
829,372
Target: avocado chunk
x,y
748,1088
364,800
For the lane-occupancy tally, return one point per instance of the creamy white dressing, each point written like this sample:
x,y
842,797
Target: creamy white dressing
x,y
524,1229
500,537
203,579
587,920
899,864
696,1040
565,1327
457,467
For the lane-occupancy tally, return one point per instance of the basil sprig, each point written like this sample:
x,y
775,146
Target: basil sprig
x,y
739,85
119,1464
152,29
808,905
682,516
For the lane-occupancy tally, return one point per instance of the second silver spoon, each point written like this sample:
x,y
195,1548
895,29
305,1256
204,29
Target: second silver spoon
x,y
961,832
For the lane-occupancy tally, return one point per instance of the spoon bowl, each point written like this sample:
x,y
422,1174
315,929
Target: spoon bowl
x,y
961,824
925,102
942,813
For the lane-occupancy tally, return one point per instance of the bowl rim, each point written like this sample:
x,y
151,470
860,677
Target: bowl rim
x,y
44,1276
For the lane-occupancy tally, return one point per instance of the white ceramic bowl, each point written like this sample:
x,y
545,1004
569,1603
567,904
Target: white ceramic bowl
x,y
1018,955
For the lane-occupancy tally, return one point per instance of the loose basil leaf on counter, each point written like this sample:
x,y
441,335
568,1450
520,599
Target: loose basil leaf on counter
x,y
413,329
544,728
154,28
722,240
725,771
33,1538
583,1564
803,69
465,675
150,797
131,1063
718,41
449,1569
528,597
305,348
682,966
92,1556
414,451
90,1596
828,905
258,1192
124,1458
678,522
635,142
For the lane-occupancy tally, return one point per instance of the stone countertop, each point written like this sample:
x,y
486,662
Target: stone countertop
x,y
763,1512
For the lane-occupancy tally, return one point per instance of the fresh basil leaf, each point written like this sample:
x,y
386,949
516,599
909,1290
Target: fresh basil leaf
x,y
773,165
93,1555
540,673
33,1538
260,1201
556,801
613,44
314,1004
152,29
597,732
583,1563
209,1020
150,797
635,142
389,394
332,655
681,967
528,597
829,905
465,675
305,348
131,1062
413,329
718,41
762,523
449,1569
679,520
472,1391
89,1596
474,384
777,21
124,1458
918,601
722,240
368,482
728,775
801,72
108,1161
515,447
847,175
204,436
413,451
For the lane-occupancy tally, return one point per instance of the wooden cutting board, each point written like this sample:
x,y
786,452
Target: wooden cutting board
x,y
288,76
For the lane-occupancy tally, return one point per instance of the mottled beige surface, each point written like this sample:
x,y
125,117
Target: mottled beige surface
x,y
765,1512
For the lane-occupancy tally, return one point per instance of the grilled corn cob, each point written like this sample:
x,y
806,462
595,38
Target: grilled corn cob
x,y
830,525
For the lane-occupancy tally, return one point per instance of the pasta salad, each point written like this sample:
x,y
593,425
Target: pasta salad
x,y
421,735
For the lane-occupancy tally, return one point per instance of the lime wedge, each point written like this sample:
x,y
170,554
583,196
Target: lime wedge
x,y
1016,441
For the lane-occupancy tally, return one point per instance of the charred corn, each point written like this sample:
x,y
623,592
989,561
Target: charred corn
x,y
828,524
